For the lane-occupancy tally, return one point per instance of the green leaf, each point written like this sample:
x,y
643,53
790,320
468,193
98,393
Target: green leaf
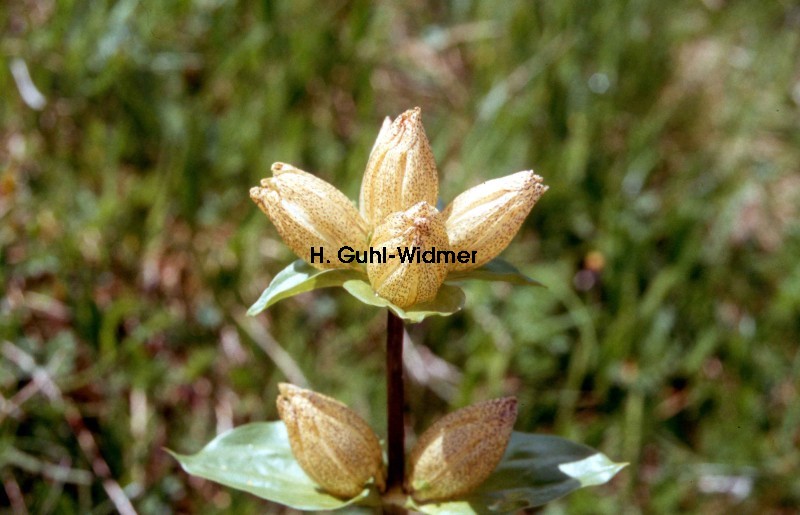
x,y
297,278
495,270
257,458
535,470
593,470
449,300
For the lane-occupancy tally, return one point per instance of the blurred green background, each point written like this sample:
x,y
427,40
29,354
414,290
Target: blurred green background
x,y
667,336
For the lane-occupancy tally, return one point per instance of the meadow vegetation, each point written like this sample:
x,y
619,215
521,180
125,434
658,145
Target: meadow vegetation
x,y
669,329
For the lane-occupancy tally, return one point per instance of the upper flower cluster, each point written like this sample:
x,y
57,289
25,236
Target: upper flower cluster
x,y
397,211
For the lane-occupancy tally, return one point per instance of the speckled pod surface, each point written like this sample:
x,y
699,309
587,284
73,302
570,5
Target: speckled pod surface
x,y
421,228
458,453
332,444
400,171
309,212
486,218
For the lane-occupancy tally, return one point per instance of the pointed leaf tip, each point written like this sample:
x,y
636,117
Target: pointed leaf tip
x,y
597,469
535,470
495,270
300,277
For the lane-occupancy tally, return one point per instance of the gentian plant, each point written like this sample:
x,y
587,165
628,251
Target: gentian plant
x,y
396,251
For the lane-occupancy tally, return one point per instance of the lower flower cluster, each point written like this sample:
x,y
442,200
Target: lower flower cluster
x,y
339,451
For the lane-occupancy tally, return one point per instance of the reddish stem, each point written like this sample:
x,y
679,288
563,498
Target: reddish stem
x,y
395,405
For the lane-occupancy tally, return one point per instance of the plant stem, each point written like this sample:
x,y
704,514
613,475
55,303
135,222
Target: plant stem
x,y
395,404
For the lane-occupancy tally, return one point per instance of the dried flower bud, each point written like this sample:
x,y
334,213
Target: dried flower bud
x,y
400,171
461,450
415,272
485,218
308,212
332,444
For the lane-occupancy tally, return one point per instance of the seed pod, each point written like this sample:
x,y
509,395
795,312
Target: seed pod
x,y
485,218
332,444
400,171
308,212
412,236
458,453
